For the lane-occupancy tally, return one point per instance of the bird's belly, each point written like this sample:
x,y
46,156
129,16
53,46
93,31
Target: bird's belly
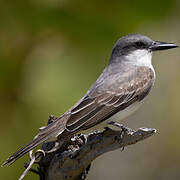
x,y
117,117
125,113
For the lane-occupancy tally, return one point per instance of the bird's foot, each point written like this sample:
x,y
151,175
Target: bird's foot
x,y
124,131
113,123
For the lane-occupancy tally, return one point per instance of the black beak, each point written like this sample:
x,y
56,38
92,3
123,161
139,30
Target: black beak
x,y
158,45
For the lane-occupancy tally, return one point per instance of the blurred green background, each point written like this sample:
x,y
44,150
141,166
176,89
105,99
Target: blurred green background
x,y
51,51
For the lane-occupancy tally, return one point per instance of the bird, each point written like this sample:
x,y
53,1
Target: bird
x,y
119,91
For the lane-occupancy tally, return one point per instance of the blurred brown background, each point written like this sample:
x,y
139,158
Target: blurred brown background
x,y
51,51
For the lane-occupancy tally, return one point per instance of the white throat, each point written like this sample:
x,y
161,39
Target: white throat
x,y
140,57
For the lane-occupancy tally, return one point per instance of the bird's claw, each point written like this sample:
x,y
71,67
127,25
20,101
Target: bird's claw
x,y
113,123
124,130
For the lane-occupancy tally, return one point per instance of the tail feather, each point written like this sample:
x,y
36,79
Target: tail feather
x,y
23,151
50,131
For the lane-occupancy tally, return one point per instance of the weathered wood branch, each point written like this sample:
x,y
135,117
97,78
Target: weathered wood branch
x,y
72,162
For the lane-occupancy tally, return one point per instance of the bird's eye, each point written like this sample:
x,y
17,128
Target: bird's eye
x,y
140,44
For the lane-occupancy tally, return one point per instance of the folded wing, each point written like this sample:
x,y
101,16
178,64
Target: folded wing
x,y
100,104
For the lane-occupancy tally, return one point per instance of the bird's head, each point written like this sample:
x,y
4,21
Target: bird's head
x,y
139,45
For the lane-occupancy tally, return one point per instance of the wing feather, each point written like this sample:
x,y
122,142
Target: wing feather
x,y
84,104
103,103
80,122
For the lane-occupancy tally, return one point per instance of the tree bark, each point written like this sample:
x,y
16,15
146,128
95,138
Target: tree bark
x,y
73,160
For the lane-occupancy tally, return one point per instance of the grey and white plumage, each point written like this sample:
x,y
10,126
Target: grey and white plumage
x,y
121,87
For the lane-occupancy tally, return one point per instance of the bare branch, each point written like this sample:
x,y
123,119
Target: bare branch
x,y
73,161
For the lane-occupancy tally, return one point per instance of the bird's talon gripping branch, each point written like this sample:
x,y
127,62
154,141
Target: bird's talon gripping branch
x,y
124,128
124,131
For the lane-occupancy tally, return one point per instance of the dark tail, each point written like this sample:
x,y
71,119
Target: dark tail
x,y
22,151
43,136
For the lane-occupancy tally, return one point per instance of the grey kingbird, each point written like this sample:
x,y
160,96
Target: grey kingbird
x,y
118,92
